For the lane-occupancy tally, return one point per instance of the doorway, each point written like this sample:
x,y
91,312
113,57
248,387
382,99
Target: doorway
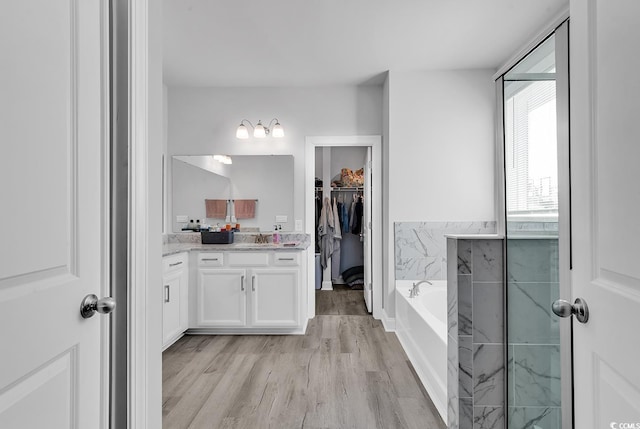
x,y
371,229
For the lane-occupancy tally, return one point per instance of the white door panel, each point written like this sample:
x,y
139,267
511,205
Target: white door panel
x,y
366,231
605,104
51,220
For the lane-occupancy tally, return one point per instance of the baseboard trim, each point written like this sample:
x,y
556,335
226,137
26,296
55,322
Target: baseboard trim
x,y
327,285
389,323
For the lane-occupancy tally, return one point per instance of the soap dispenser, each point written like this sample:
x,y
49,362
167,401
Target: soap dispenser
x,y
276,235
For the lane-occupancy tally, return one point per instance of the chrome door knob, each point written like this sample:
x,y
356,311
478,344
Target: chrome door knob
x,y
90,304
564,308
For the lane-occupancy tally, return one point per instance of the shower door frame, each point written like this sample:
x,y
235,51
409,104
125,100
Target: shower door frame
x,y
559,27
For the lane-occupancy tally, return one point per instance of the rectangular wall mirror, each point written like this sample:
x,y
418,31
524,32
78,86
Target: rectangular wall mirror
x,y
268,179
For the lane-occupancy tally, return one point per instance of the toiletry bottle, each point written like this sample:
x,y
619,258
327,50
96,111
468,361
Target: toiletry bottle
x,y
276,236
190,225
197,225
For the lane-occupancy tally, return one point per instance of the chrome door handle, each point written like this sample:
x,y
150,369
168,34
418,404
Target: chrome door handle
x,y
563,308
242,283
253,283
167,293
90,304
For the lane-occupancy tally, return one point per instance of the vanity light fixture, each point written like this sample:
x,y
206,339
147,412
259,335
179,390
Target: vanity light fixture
x,y
260,131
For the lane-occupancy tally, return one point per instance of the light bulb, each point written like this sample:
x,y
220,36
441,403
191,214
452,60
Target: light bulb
x,y
242,132
277,130
259,131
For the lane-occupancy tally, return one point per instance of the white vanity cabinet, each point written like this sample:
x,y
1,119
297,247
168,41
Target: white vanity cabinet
x,y
248,292
175,281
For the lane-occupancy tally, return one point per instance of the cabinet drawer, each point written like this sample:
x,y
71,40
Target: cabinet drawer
x,y
174,262
285,259
210,259
242,259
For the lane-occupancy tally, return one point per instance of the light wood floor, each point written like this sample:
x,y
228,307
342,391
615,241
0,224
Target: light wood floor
x,y
341,300
346,372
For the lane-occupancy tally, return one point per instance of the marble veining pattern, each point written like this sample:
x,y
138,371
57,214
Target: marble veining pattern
x,y
532,417
465,301
488,313
452,383
466,413
465,262
536,375
465,367
534,352
452,306
530,317
488,417
532,260
475,293
488,374
487,261
420,247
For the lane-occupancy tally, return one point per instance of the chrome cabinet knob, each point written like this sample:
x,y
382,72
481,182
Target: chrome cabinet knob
x,y
564,308
90,304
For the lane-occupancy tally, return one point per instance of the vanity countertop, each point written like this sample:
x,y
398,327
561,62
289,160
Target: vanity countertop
x,y
173,248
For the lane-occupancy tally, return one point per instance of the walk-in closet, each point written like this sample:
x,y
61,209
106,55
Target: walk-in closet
x,y
340,229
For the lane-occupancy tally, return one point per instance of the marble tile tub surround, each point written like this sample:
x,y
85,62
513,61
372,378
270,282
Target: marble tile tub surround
x,y
421,247
475,320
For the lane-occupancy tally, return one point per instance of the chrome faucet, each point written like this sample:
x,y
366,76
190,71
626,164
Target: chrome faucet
x,y
415,290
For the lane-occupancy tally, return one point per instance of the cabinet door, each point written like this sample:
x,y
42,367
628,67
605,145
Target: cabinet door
x,y
274,295
171,323
221,299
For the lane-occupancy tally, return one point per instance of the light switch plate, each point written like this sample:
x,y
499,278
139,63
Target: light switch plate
x,y
281,218
182,218
298,224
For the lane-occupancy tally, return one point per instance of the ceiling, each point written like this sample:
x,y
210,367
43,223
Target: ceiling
x,y
231,43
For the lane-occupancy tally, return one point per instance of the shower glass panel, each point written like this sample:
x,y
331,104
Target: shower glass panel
x,y
531,192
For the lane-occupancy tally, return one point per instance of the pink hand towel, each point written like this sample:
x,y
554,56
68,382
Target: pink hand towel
x,y
216,209
245,209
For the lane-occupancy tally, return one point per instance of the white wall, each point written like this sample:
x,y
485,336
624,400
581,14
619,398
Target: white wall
x,y
441,149
204,120
388,275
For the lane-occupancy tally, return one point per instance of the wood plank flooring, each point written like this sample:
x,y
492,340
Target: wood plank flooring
x,y
346,372
341,300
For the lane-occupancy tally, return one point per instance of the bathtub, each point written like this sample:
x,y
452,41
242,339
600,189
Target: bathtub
x,y
421,327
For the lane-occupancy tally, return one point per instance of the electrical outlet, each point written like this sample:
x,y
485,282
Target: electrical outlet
x,y
281,218
298,224
182,218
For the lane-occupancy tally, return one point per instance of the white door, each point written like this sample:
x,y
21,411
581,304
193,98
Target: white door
x,y
52,217
605,148
366,233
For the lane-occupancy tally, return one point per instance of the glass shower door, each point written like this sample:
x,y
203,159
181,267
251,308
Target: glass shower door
x,y
534,192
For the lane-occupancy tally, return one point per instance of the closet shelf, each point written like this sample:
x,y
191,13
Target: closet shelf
x,y
343,189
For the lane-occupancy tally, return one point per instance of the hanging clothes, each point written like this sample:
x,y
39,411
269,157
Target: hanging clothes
x,y
352,213
359,211
326,232
337,236
318,210
344,215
